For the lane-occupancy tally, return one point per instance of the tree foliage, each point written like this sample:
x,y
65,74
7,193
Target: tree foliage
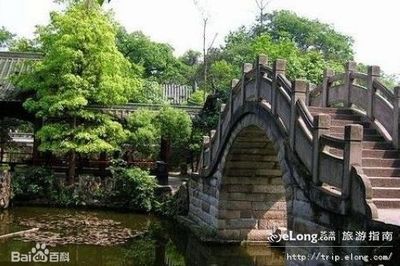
x,y
307,34
5,37
148,127
81,66
157,59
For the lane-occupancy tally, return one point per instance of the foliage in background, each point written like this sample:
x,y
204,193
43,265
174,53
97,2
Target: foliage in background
x,y
147,128
150,93
157,59
5,37
33,183
307,34
144,134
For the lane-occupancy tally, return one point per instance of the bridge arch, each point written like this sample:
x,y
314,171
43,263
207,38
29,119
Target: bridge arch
x,y
250,191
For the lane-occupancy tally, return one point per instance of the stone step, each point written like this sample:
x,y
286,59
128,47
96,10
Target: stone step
x,y
329,110
381,171
378,162
374,153
386,203
343,123
381,145
351,117
366,137
379,181
340,130
386,192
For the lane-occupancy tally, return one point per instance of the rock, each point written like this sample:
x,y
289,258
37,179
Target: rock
x,y
5,189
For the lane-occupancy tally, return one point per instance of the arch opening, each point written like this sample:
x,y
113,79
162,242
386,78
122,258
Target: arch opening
x,y
252,193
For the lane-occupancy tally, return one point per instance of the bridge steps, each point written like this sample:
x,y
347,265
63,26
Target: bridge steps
x,y
378,162
384,181
384,203
386,192
381,162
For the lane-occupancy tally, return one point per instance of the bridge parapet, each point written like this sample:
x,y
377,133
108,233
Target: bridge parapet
x,y
329,160
365,92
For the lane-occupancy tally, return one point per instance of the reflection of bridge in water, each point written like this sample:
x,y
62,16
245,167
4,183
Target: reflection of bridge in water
x,y
285,157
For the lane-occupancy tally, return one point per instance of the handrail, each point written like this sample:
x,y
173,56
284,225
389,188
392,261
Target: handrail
x,y
380,87
337,77
358,75
327,140
305,114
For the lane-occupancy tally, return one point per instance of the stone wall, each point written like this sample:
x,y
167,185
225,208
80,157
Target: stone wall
x,y
5,189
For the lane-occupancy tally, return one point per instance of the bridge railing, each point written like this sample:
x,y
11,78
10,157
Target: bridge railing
x,y
329,160
366,93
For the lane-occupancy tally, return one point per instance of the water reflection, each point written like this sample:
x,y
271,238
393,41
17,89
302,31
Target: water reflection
x,y
166,243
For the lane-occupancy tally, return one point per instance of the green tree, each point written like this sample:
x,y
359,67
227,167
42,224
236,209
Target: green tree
x,y
5,37
144,133
307,34
81,66
157,59
169,125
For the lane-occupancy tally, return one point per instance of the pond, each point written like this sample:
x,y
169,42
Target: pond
x,y
99,238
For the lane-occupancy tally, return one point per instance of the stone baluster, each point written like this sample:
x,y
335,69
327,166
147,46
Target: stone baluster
x,y
328,73
262,62
373,73
299,92
234,83
352,155
206,157
247,67
396,117
279,68
221,123
212,144
322,124
350,67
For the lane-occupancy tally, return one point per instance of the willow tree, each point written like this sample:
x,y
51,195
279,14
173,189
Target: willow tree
x,y
81,67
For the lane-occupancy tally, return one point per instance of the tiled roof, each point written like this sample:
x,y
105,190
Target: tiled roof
x,y
12,63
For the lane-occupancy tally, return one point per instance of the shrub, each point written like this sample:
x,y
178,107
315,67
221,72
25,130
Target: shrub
x,y
134,187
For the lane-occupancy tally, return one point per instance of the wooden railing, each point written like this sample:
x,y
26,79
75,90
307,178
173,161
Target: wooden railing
x,y
329,160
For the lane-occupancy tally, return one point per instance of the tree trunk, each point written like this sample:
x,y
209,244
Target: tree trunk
x,y
71,168
165,150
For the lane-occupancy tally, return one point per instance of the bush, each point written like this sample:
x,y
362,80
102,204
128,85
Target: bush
x,y
33,183
134,187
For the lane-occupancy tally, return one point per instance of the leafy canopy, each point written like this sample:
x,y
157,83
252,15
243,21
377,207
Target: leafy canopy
x,y
81,66
157,59
147,127
307,34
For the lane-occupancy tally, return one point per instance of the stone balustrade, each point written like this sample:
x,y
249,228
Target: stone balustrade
x,y
288,102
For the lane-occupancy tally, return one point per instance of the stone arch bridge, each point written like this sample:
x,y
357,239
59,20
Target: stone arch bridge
x,y
283,156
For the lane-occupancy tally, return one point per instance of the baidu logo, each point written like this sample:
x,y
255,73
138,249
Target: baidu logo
x,y
39,254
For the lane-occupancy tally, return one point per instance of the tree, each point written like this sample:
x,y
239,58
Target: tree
x,y
175,128
169,125
157,59
144,133
307,34
262,5
81,66
5,37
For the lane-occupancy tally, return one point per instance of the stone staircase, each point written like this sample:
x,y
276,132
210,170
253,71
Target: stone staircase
x,y
380,160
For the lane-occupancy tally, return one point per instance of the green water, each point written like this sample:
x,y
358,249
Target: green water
x,y
162,243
